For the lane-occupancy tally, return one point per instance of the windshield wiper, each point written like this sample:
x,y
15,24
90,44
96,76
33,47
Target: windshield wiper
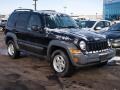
x,y
70,27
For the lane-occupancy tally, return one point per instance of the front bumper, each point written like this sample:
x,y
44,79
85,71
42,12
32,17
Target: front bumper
x,y
94,58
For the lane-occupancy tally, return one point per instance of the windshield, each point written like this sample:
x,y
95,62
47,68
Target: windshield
x,y
60,21
86,24
115,27
4,20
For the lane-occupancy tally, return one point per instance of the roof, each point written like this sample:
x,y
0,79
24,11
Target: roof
x,y
95,20
49,12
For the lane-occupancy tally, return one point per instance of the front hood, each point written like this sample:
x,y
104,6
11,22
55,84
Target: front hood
x,y
80,33
112,34
89,35
86,29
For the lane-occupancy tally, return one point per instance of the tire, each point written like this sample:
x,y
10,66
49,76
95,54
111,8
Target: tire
x,y
12,51
61,64
103,64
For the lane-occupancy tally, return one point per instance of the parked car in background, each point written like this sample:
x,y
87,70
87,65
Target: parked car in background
x,y
115,21
79,19
94,25
57,37
2,24
113,33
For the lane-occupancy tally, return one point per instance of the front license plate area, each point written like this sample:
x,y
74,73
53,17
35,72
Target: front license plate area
x,y
103,56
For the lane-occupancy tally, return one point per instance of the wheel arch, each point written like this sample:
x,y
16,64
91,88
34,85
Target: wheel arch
x,y
11,36
56,45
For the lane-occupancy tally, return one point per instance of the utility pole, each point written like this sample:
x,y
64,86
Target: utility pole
x,y
35,4
20,7
96,15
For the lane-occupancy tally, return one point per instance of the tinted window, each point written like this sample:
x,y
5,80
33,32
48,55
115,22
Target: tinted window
x,y
50,22
86,24
34,20
107,24
22,21
4,21
115,27
100,24
12,20
60,21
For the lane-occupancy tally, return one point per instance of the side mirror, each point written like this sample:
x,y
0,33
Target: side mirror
x,y
35,27
98,28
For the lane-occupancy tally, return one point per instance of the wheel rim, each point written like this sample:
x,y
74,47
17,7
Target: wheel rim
x,y
11,49
59,63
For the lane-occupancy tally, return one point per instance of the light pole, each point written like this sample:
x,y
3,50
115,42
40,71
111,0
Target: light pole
x,y
35,4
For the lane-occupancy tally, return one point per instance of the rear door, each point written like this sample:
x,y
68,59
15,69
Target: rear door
x,y
21,29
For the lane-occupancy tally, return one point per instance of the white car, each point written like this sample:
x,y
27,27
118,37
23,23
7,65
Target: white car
x,y
94,25
2,24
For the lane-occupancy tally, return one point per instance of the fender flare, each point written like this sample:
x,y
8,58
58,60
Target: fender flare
x,y
62,44
13,36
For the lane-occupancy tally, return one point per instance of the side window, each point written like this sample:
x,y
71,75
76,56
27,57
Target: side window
x,y
34,20
107,24
50,22
100,24
12,20
22,21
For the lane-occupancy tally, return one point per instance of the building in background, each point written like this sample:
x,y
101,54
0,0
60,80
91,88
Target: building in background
x,y
111,9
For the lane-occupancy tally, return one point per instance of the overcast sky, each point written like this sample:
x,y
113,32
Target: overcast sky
x,y
80,7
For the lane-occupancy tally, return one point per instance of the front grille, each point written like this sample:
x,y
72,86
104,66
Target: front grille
x,y
97,46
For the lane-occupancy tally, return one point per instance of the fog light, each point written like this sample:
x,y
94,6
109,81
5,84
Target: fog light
x,y
76,60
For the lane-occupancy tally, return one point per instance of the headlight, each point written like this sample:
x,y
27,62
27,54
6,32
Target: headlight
x,y
117,40
109,43
83,45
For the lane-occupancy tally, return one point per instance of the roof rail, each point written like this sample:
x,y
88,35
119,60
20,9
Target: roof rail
x,y
22,10
49,10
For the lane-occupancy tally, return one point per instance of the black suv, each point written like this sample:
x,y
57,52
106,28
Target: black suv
x,y
56,37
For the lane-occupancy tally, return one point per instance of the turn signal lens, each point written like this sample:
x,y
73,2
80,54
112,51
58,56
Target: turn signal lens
x,y
73,51
76,60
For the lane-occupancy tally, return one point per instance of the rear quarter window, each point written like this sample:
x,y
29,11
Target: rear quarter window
x,y
23,20
12,20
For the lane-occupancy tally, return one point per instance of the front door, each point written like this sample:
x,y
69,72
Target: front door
x,y
36,38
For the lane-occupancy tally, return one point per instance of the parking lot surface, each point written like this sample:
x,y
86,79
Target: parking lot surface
x,y
32,73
